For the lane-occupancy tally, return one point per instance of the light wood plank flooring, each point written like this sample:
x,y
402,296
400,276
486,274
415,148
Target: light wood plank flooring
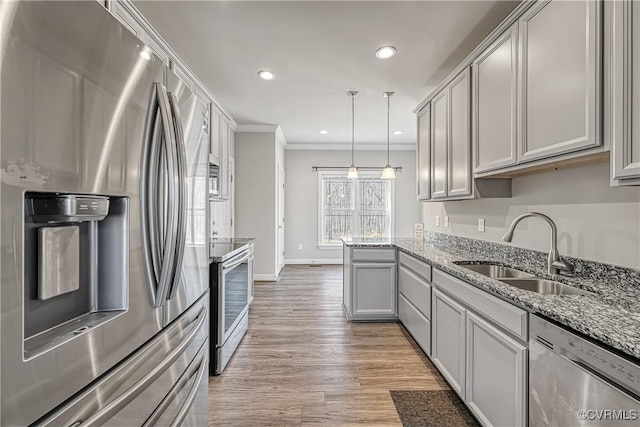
x,y
302,363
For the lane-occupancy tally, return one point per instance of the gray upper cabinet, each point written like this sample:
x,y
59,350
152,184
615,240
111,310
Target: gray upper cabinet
x,y
494,100
119,10
459,144
129,16
451,140
496,375
216,133
424,153
625,73
559,78
439,137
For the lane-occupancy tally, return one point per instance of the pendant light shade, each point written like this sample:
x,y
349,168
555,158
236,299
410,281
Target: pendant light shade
x,y
353,170
388,172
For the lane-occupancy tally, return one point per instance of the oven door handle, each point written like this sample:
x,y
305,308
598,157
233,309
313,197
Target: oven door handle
x,y
244,258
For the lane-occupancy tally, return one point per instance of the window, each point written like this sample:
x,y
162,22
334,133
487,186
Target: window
x,y
353,208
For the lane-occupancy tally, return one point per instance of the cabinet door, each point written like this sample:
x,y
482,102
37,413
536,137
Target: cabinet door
x,y
560,78
459,146
494,104
127,19
157,48
224,158
626,90
496,375
448,339
439,136
216,132
424,153
374,290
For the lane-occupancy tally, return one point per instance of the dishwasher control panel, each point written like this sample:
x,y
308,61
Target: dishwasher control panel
x,y
586,353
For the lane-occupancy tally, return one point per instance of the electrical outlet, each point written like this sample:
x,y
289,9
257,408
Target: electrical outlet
x,y
481,225
300,246
446,222
437,220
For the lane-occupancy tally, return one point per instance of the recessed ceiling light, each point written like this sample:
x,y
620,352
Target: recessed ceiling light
x,y
385,52
398,132
324,132
266,75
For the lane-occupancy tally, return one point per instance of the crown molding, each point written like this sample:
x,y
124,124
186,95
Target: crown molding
x,y
347,147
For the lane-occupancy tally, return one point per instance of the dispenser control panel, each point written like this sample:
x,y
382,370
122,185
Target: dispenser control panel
x,y
67,208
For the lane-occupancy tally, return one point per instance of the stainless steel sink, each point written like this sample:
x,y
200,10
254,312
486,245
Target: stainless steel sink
x,y
496,271
543,286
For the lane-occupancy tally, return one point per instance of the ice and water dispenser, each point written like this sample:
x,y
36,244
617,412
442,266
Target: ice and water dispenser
x,y
76,251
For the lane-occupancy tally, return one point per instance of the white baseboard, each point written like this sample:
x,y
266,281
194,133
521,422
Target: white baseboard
x,y
334,261
265,277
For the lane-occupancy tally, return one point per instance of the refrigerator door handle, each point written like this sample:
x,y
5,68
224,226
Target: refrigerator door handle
x,y
182,175
159,244
196,369
100,417
148,196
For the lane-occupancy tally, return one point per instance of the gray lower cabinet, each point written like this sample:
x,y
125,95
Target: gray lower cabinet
x,y
625,76
416,323
414,299
496,375
479,344
374,291
369,283
449,339
559,78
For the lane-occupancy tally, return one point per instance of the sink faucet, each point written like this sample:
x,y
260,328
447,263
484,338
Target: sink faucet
x,y
555,263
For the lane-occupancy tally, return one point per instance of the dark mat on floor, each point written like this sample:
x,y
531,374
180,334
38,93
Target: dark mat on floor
x,y
426,408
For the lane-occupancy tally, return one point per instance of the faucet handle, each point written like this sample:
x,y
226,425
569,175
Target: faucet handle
x,y
564,267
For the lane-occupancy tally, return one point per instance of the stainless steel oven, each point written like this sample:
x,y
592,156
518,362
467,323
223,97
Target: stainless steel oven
x,y
232,293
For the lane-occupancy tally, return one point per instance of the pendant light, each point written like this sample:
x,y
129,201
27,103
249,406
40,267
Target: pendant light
x,y
353,170
388,172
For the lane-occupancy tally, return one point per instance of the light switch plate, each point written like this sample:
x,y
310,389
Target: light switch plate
x,y
446,222
481,225
437,220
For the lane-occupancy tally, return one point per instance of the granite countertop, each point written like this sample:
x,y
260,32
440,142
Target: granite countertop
x,y
612,316
224,248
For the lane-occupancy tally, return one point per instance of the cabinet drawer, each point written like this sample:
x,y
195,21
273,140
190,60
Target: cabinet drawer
x,y
420,268
505,315
418,326
374,255
415,289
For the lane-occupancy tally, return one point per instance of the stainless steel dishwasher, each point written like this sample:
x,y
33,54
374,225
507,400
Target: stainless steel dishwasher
x,y
574,382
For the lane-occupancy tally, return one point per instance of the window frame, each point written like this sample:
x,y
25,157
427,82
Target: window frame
x,y
320,207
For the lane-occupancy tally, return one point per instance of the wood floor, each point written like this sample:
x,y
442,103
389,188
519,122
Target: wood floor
x,y
302,364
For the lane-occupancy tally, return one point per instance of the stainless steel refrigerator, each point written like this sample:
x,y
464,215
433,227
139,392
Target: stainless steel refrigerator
x,y
104,258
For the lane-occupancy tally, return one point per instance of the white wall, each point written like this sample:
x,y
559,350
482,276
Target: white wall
x,y
595,221
302,198
255,201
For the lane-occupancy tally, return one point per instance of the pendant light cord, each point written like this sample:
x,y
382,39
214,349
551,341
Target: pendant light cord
x,y
388,125
353,126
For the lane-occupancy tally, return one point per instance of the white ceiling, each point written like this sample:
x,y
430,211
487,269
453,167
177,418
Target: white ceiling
x,y
319,50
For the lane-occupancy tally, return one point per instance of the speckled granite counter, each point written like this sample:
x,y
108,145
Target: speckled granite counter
x,y
222,249
612,316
